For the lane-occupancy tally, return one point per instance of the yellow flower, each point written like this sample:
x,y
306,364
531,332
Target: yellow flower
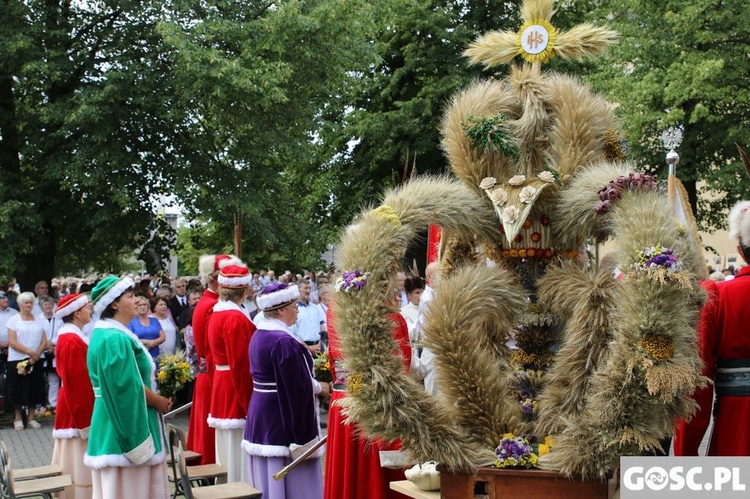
x,y
508,435
543,449
549,441
162,376
385,212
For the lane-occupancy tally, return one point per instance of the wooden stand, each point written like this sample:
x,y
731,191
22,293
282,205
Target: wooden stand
x,y
494,483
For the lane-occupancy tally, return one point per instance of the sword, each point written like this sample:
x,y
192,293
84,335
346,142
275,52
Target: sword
x,y
309,452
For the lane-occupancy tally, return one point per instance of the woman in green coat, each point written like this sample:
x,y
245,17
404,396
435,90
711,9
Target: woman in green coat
x,y
126,451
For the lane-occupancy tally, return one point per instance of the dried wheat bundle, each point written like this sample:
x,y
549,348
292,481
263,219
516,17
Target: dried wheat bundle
x,y
653,364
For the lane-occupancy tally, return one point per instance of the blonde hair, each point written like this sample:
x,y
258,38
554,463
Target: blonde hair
x,y
26,297
232,294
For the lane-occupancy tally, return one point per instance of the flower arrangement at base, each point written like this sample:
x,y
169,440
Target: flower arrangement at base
x,y
24,367
521,451
323,368
351,281
515,452
173,372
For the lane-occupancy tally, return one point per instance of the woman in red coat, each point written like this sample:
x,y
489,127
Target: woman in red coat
x,y
75,400
725,350
353,468
229,335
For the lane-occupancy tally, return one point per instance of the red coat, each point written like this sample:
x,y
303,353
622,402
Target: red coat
x,y
201,437
724,335
75,400
229,336
352,462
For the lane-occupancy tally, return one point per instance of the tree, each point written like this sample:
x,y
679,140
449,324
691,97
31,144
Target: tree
x,y
255,80
395,108
88,140
684,63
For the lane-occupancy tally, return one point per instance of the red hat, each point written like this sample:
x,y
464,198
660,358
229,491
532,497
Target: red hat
x,y
235,277
71,303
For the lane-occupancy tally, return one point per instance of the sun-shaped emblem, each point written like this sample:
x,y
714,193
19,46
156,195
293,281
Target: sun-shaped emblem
x,y
536,40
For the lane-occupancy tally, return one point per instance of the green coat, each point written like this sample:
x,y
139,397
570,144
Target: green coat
x,y
124,430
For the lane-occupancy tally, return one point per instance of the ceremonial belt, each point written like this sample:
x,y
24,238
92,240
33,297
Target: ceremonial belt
x,y
733,378
264,387
222,367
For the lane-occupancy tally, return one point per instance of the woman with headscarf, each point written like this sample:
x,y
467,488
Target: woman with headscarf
x,y
75,399
126,450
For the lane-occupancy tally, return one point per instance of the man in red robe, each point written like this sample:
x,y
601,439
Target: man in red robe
x,y
725,349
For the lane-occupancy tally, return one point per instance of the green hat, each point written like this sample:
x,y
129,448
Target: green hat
x,y
108,290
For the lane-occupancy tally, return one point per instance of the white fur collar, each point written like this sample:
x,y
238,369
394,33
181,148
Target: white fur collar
x,y
70,328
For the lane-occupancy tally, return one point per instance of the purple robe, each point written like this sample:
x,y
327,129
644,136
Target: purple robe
x,y
281,413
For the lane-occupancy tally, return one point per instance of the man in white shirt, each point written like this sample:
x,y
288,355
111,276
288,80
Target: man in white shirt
x,y
5,314
40,289
310,319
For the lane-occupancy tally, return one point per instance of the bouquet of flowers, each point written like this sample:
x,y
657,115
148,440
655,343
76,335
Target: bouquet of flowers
x,y
24,367
521,451
173,372
323,368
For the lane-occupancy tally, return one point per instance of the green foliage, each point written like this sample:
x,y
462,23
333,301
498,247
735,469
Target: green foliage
x,y
491,134
683,63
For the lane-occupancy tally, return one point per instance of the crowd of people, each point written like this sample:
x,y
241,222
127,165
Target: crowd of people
x,y
89,353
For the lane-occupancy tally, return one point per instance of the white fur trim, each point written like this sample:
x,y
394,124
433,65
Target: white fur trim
x,y
227,306
265,450
65,433
271,300
84,433
225,424
235,282
114,292
207,263
739,223
72,307
70,328
119,460
142,452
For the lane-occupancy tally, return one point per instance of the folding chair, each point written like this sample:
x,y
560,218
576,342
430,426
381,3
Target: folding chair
x,y
233,490
29,473
35,487
204,474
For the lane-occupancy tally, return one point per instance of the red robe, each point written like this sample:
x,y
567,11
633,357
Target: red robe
x,y
723,335
75,401
352,462
229,336
201,437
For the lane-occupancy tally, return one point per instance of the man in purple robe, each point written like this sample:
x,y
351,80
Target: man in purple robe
x,y
282,413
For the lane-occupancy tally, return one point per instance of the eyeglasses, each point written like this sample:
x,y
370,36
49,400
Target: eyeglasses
x,y
3,296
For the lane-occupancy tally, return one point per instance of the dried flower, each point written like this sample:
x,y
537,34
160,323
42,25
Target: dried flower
x,y
514,452
385,212
351,281
510,214
659,348
499,196
487,183
517,180
527,194
546,176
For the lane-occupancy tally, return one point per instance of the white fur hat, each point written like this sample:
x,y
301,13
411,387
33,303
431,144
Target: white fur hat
x,y
209,265
277,295
739,223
